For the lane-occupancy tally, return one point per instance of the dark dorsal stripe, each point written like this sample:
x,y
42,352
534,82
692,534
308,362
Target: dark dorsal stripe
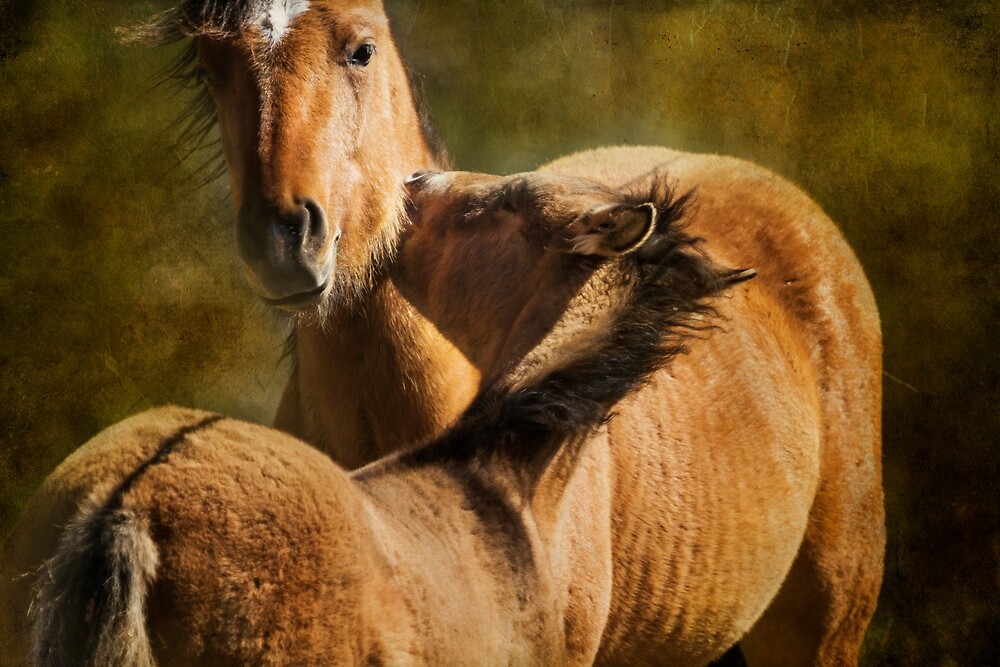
x,y
96,573
161,455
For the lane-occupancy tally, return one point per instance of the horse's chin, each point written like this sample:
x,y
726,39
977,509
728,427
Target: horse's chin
x,y
294,285
300,302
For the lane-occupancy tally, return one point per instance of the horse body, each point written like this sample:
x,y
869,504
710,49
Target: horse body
x,y
759,448
786,402
203,540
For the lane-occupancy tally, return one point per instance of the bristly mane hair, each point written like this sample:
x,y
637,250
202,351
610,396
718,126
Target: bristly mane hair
x,y
193,126
223,19
671,282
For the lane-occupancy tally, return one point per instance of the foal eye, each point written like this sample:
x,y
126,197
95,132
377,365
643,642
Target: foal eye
x,y
362,55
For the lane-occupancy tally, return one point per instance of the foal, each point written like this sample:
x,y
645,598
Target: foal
x,y
205,540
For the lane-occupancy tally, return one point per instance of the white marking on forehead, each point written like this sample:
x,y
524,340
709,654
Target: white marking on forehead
x,y
436,183
275,19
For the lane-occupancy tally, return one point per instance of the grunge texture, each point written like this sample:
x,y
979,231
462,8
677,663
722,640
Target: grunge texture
x,y
120,289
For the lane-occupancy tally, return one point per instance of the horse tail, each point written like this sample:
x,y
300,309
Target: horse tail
x,y
90,604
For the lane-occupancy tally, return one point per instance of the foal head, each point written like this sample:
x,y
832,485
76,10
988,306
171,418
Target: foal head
x,y
525,273
318,129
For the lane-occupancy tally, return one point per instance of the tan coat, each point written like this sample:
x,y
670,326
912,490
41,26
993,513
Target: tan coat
x,y
202,540
756,455
758,451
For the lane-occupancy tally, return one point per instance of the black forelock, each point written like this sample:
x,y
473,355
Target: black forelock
x,y
220,18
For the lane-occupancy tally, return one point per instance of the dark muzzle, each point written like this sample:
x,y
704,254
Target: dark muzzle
x,y
289,254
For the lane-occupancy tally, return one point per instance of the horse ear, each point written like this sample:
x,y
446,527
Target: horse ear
x,y
610,231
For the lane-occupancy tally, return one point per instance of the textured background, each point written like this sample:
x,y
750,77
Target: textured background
x,y
119,288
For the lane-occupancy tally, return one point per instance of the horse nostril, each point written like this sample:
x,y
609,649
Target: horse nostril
x,y
316,226
289,228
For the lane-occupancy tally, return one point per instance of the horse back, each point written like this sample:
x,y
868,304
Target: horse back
x,y
810,289
750,217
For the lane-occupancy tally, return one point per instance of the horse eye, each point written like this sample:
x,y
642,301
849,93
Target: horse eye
x,y
363,55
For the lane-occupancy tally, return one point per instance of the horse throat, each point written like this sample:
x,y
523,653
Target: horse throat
x,y
374,378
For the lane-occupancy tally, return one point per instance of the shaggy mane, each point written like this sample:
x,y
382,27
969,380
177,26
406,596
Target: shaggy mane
x,y
671,282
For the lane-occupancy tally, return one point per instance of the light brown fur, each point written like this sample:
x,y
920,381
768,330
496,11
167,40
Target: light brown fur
x,y
270,554
375,375
256,549
670,538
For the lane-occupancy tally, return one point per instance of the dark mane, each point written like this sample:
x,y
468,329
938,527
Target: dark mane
x,y
672,282
194,125
217,18
225,19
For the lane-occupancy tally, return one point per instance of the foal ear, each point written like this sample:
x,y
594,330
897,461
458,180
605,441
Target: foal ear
x,y
610,231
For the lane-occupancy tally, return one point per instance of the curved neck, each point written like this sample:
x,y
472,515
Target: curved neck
x,y
373,379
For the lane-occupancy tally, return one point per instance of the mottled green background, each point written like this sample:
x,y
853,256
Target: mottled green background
x,y
119,288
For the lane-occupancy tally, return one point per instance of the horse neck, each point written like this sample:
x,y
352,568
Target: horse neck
x,y
376,377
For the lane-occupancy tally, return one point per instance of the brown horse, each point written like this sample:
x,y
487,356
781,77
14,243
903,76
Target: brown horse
x,y
319,131
319,128
764,440
209,541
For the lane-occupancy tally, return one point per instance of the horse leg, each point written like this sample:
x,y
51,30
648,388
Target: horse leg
x,y
820,615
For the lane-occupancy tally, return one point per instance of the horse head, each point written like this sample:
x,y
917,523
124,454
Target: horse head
x,y
533,269
318,129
